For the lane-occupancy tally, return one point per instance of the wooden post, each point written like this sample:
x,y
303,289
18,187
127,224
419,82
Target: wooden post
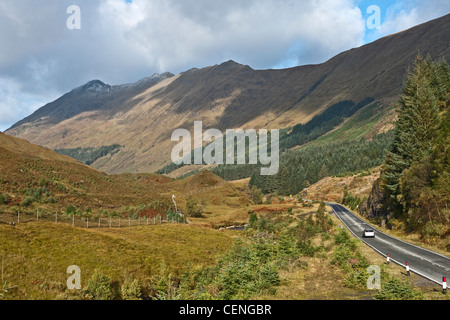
x,y
119,222
18,217
73,220
99,222
87,222
110,221
56,218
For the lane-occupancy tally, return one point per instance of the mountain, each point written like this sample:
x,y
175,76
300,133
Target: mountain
x,y
141,117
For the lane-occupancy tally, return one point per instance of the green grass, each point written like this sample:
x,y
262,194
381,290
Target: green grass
x,y
357,127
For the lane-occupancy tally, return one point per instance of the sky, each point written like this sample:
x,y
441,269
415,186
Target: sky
x,y
47,48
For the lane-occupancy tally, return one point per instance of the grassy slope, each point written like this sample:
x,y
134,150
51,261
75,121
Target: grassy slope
x,y
25,165
36,255
366,123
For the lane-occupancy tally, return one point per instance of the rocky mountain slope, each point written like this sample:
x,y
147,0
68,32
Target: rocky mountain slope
x,y
142,116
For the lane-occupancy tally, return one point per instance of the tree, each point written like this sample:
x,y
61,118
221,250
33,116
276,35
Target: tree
x,y
416,128
322,220
192,208
323,172
256,195
417,169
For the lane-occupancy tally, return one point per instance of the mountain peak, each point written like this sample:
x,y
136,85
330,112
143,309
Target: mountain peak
x,y
157,77
94,86
230,63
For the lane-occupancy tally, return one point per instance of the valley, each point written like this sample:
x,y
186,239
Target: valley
x,y
88,181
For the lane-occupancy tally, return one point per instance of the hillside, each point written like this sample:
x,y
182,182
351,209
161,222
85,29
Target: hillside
x,y
141,117
33,176
35,180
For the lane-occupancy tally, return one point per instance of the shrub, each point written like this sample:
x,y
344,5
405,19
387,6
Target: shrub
x,y
27,202
394,289
253,220
256,195
4,198
306,248
192,208
243,272
131,290
100,287
287,248
432,231
342,237
70,209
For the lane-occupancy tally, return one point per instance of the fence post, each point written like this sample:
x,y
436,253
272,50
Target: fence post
x,y
119,222
73,220
110,221
37,215
444,285
56,219
147,220
99,222
18,217
87,222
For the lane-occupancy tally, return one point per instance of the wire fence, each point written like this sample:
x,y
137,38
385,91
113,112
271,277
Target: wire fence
x,y
85,222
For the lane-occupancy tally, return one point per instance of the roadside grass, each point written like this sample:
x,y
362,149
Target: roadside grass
x,y
36,255
319,278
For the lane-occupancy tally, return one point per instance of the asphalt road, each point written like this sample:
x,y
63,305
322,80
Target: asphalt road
x,y
423,262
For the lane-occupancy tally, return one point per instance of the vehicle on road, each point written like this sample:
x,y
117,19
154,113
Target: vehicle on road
x,y
368,233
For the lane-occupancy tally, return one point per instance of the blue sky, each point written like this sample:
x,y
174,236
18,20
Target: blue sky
x,y
122,41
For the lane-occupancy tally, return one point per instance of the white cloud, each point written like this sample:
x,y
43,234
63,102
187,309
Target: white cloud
x,y
402,15
15,101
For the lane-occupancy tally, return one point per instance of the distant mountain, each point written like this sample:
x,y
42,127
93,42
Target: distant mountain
x,y
140,117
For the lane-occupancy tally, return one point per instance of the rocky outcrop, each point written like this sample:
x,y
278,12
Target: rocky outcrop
x,y
375,207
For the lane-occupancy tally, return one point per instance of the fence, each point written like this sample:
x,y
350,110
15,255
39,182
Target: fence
x,y
82,221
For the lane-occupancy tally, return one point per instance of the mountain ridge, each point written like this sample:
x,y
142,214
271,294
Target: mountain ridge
x,y
227,95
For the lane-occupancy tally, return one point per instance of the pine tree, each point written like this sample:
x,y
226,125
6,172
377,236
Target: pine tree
x,y
416,127
416,173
